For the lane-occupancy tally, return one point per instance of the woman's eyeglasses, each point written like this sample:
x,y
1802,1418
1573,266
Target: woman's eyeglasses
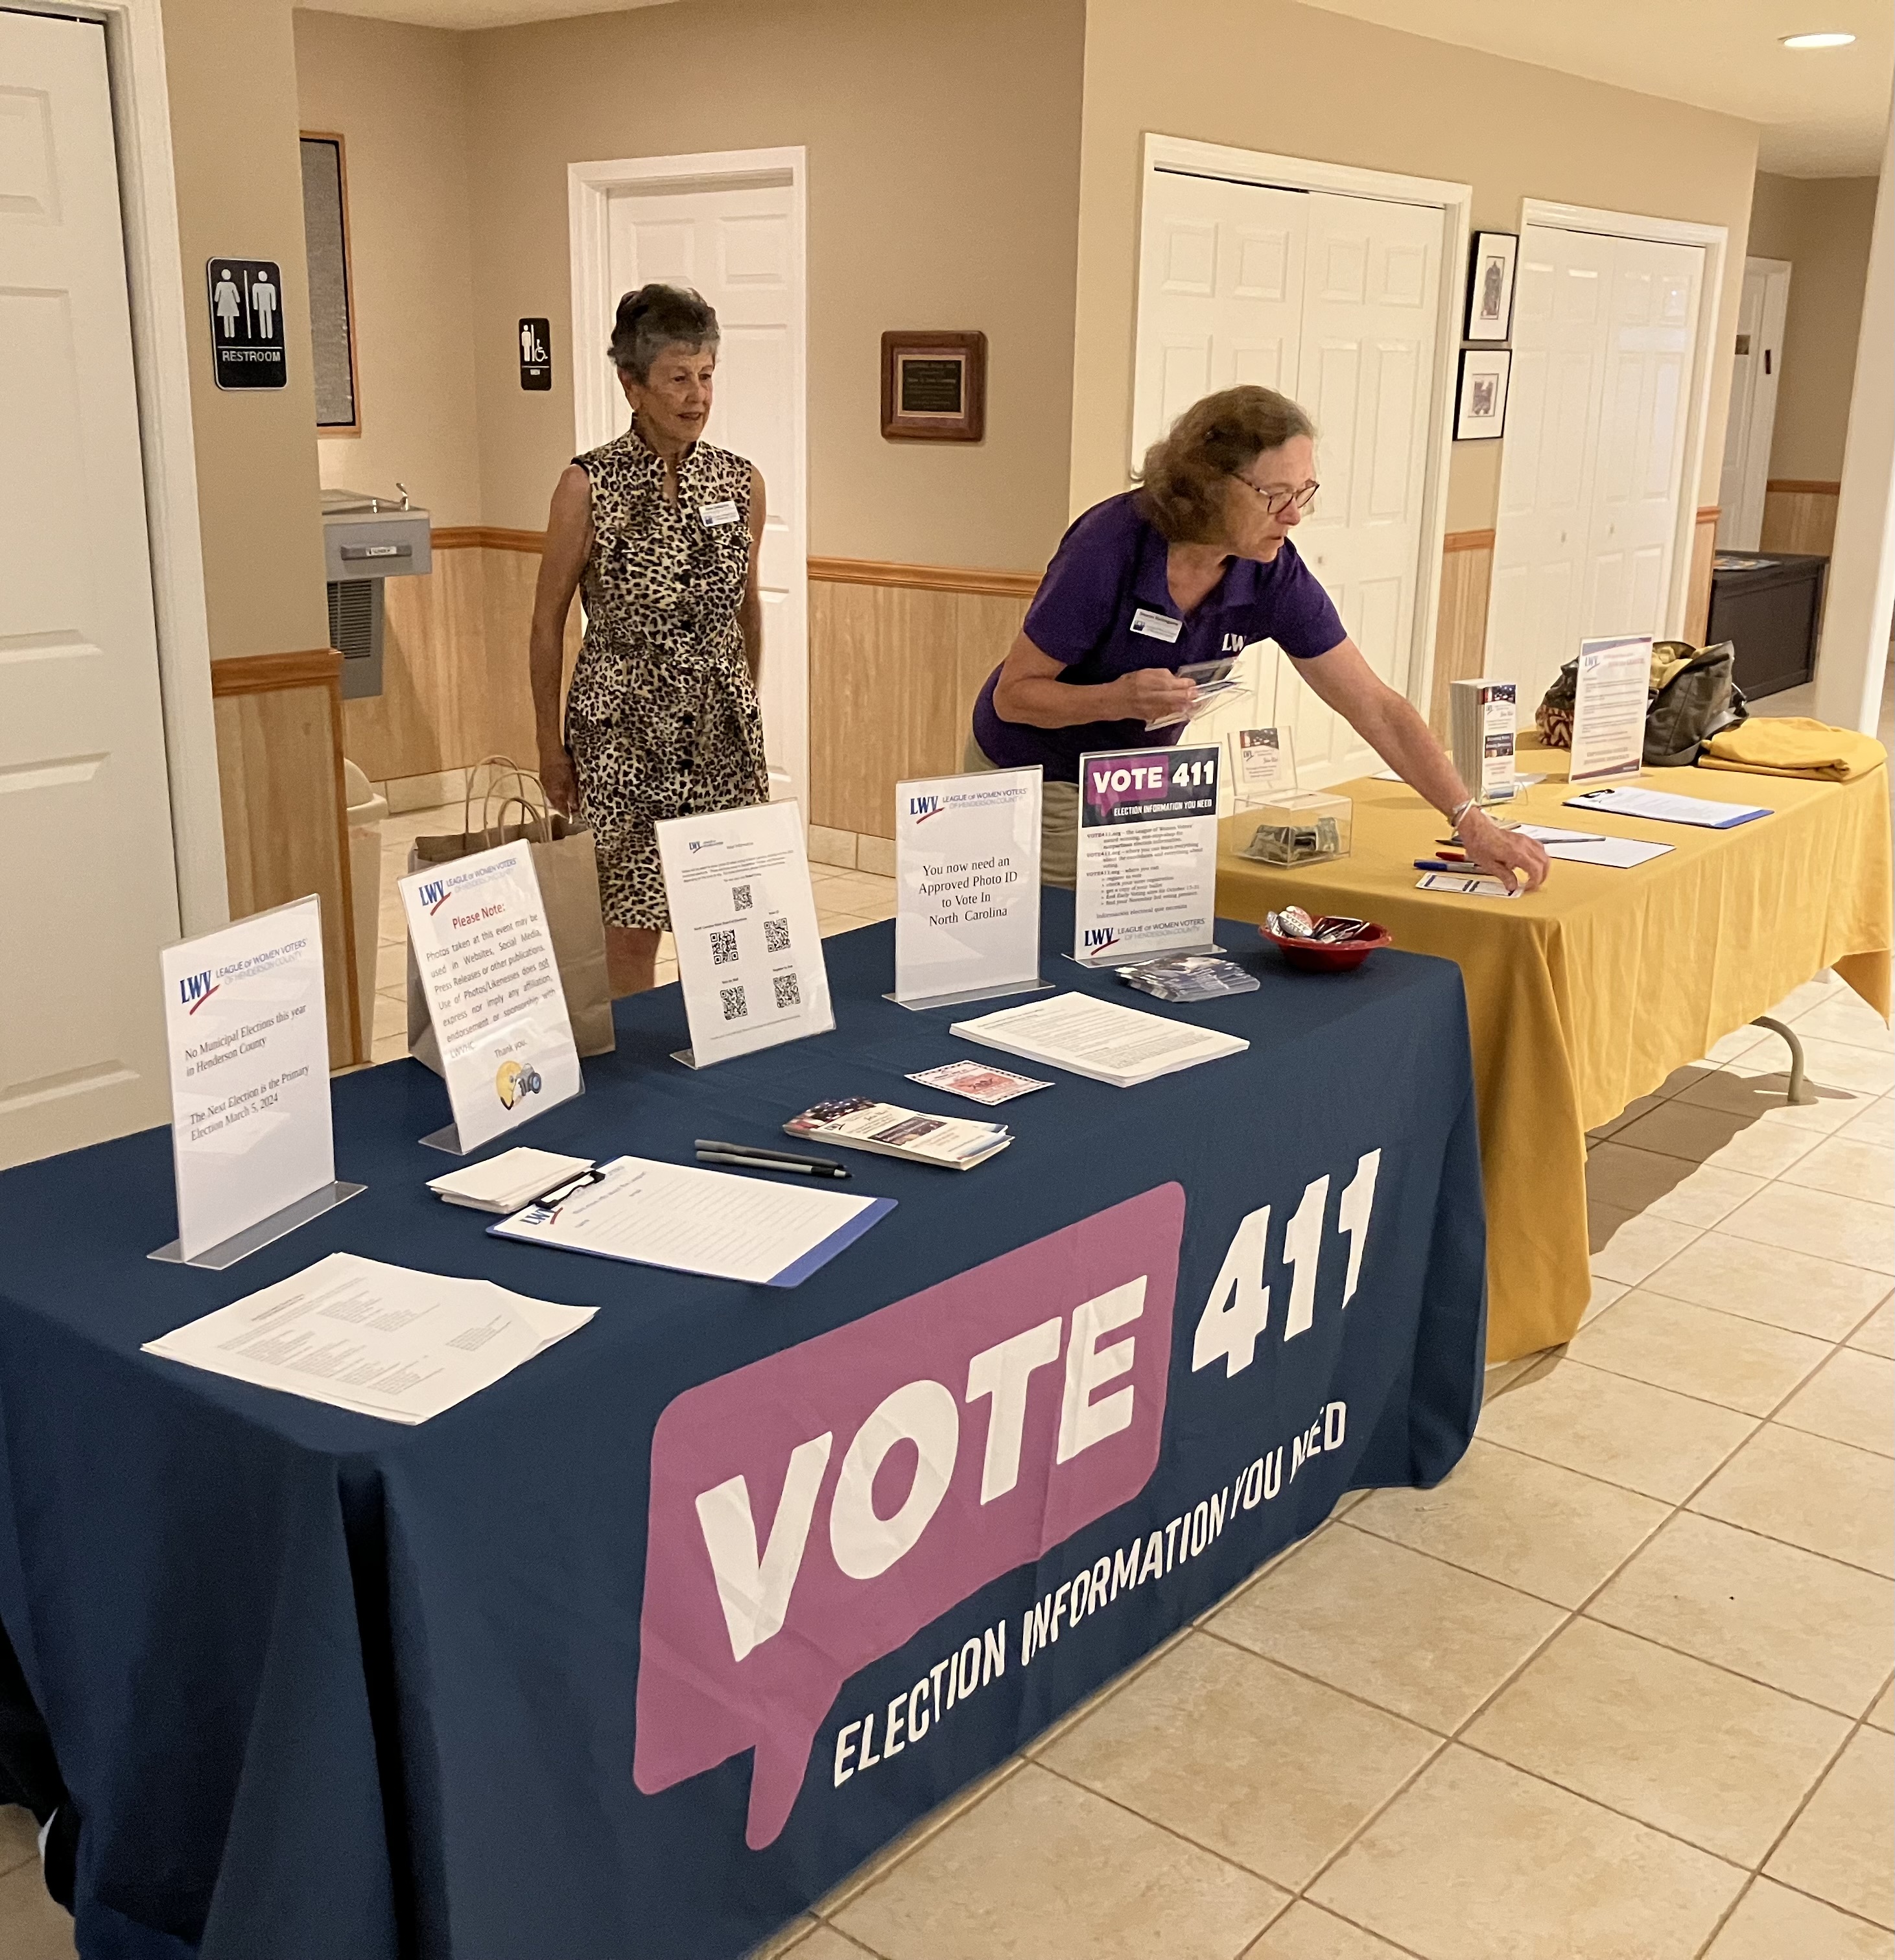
x,y
1277,501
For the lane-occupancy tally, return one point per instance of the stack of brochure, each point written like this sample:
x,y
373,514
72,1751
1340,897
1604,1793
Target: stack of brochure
x,y
513,1179
1481,729
1189,976
1122,1046
855,1123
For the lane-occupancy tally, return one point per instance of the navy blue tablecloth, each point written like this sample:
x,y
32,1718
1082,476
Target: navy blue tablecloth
x,y
327,1688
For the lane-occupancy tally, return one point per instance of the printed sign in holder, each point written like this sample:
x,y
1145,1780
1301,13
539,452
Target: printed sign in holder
x,y
967,879
1152,794
262,1053
492,982
749,948
1263,764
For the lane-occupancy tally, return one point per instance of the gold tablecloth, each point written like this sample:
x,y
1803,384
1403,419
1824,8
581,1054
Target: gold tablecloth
x,y
1586,994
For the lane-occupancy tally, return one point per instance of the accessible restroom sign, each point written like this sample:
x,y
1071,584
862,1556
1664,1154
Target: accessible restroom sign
x,y
246,323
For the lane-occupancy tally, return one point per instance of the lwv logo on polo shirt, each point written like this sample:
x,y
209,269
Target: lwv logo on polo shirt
x,y
194,990
1233,643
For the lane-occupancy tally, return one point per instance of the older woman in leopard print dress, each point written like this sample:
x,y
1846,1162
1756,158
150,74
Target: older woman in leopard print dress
x,y
661,531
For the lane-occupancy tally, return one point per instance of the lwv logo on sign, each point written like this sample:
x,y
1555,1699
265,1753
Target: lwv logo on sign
x,y
194,990
434,895
246,323
922,808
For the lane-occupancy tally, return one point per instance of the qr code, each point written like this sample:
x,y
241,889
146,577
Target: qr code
x,y
733,1000
723,948
739,898
776,935
788,994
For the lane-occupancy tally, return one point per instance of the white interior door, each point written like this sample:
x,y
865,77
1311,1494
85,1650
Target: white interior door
x,y
1755,369
1334,301
742,248
1592,472
90,882
1370,305
1221,303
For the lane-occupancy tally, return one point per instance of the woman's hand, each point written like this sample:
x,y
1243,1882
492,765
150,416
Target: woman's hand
x,y
1501,853
561,781
1151,694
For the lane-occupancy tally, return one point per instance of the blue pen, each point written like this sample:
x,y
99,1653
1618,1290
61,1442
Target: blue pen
x,y
1438,864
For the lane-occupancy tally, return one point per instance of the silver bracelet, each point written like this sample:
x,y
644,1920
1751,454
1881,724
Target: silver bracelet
x,y
1459,810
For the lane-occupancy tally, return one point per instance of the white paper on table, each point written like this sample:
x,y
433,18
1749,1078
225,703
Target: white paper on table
x,y
743,915
1099,1039
1658,807
1613,691
485,957
700,1221
1618,853
1147,881
247,1029
967,876
1550,833
383,1339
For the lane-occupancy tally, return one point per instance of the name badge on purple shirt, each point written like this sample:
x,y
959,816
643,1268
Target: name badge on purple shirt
x,y
1156,625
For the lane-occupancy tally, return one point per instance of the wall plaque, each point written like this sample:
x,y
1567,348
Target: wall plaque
x,y
934,387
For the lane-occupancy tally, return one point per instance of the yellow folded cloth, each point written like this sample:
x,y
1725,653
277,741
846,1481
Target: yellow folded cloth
x,y
1793,745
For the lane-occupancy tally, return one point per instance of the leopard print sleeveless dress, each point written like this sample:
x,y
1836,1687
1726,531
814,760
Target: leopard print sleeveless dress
x,y
662,718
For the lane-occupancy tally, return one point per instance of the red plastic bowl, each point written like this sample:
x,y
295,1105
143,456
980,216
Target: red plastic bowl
x,y
1340,956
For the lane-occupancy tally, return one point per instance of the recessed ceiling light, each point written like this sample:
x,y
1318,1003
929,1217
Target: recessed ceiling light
x,y
1817,40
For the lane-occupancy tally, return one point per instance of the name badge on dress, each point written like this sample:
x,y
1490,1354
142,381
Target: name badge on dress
x,y
718,513
1156,625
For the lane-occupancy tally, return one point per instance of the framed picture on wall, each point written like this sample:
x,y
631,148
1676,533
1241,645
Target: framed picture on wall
x,y
1490,286
934,387
1480,402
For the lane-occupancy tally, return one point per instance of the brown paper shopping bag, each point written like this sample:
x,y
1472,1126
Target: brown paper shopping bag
x,y
568,874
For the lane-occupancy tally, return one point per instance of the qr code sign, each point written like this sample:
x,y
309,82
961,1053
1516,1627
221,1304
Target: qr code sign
x,y
723,948
788,994
776,935
739,898
733,1000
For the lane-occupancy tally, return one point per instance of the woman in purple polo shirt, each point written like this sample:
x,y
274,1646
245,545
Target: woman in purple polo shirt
x,y
1195,565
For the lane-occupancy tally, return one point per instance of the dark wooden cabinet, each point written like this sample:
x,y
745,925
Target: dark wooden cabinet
x,y
1768,607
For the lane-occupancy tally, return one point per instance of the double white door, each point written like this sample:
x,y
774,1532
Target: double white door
x,y
1334,301
742,250
90,885
1592,469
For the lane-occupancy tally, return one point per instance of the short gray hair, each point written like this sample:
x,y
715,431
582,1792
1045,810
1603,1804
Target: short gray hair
x,y
656,317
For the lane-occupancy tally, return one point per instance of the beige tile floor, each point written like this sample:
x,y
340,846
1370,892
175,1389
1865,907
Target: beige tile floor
x,y
1619,1689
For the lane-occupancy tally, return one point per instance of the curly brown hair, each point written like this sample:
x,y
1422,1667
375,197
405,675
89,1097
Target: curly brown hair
x,y
1183,479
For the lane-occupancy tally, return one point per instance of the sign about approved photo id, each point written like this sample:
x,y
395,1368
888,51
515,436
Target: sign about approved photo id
x,y
967,862
1147,853
247,1030
486,963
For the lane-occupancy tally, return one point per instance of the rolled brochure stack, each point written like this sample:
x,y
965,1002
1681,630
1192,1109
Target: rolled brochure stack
x,y
857,1123
1124,1046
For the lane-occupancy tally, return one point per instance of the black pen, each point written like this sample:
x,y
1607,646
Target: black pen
x,y
753,1161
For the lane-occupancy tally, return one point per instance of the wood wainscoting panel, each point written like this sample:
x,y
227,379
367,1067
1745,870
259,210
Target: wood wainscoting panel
x,y
279,760
1461,633
894,671
1799,516
1697,600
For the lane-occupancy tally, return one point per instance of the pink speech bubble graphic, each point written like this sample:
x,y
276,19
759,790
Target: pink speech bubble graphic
x,y
815,1511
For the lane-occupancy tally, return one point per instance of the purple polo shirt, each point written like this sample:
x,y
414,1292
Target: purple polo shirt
x,y
1109,569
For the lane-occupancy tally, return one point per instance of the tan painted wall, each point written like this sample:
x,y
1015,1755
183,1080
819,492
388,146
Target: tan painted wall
x,y
398,96
944,192
232,75
1270,75
1822,226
